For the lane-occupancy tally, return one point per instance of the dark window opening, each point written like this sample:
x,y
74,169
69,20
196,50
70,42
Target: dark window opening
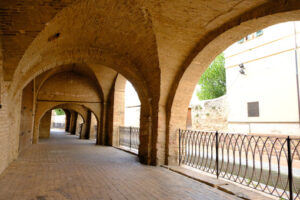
x,y
253,109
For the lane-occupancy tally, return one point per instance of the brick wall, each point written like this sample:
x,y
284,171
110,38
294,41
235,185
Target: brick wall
x,y
9,126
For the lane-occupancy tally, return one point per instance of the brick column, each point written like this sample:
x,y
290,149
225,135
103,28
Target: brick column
x,y
67,122
45,124
88,125
73,123
104,125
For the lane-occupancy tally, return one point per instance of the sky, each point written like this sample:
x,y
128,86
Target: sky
x,y
131,97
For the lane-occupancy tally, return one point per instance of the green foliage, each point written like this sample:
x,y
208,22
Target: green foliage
x,y
59,111
213,80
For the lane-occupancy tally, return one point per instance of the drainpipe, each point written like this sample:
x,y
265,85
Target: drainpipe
x,y
296,65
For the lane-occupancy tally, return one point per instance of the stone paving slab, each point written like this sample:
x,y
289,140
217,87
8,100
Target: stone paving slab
x,y
64,167
223,185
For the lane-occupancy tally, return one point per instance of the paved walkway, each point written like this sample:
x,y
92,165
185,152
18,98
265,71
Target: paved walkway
x,y
64,167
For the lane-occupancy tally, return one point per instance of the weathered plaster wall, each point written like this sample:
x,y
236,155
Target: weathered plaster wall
x,y
211,115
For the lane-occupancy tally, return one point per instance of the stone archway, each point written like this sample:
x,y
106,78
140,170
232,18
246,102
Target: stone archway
x,y
122,53
183,89
44,107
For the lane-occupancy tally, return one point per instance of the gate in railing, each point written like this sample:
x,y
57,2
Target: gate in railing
x,y
129,137
268,164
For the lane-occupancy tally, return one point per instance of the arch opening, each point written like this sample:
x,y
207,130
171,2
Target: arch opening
x,y
125,116
58,119
182,91
261,106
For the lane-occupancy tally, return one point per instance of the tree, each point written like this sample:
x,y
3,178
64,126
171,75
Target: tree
x,y
59,111
213,81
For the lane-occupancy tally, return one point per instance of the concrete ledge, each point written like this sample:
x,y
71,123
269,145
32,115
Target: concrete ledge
x,y
126,150
229,187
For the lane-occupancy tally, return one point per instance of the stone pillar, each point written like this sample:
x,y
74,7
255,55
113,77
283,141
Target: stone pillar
x,y
152,134
118,114
68,128
45,125
98,136
74,116
82,131
88,125
116,110
148,131
93,124
102,137
27,110
176,121
67,121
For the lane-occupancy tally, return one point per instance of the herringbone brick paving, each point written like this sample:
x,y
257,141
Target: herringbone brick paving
x,y
64,167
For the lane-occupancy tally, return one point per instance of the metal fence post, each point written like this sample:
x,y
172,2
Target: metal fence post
x,y
290,168
179,147
130,137
217,154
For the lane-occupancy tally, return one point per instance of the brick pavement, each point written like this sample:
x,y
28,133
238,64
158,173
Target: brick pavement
x,y
64,167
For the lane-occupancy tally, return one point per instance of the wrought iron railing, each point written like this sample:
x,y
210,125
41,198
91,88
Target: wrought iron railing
x,y
58,125
129,137
268,164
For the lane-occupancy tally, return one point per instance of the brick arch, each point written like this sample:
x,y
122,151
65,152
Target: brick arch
x,y
81,56
147,103
70,106
182,90
43,107
112,39
82,69
44,125
121,52
82,111
69,87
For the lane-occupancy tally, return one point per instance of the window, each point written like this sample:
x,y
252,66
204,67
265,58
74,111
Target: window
x,y
253,109
259,33
251,36
241,41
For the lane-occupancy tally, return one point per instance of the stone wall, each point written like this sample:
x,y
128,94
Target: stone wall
x,y
210,115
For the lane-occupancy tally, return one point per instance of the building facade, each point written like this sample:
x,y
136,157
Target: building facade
x,y
262,81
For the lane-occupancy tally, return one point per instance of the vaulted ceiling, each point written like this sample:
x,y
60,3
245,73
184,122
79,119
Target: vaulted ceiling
x,y
150,42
